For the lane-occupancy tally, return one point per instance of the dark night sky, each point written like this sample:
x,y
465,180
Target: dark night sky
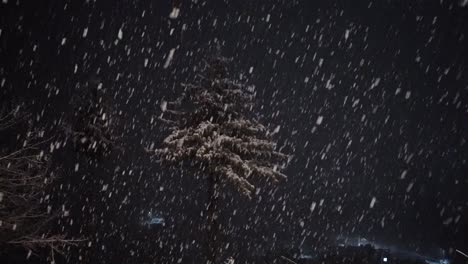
x,y
389,79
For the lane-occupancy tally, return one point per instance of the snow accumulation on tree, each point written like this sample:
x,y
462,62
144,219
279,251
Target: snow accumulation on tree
x,y
211,127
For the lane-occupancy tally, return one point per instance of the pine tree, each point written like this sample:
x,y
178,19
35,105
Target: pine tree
x,y
92,128
212,128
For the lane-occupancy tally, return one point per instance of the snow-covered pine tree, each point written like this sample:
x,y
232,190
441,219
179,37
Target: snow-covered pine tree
x,y
213,129
211,126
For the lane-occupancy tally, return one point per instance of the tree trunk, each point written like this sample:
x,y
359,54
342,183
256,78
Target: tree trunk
x,y
212,223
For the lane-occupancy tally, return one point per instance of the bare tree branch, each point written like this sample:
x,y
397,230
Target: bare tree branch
x,y
25,176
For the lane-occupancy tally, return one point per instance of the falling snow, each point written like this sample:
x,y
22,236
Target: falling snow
x,y
174,13
319,120
169,58
372,203
233,132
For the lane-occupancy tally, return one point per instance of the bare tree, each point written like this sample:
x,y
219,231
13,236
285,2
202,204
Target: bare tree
x,y
212,128
25,176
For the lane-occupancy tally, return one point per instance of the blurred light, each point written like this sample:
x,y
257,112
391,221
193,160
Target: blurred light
x,y
156,221
385,259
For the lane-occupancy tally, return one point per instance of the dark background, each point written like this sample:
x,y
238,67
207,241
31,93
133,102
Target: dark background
x,y
393,96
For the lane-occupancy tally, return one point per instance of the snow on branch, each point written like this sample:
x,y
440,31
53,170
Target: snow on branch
x,y
230,153
212,128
